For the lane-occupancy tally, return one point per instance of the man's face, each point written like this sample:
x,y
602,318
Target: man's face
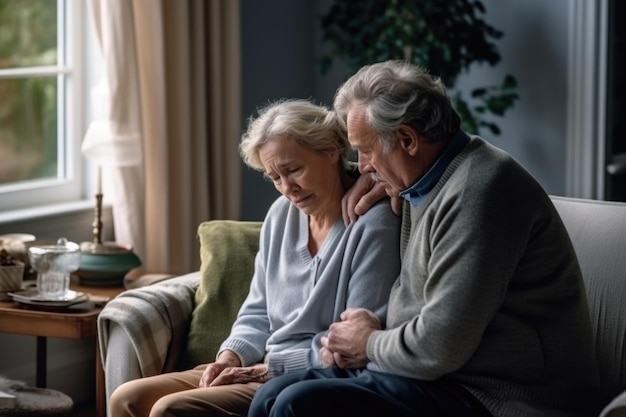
x,y
385,167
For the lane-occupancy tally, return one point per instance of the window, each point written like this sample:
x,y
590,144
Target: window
x,y
40,111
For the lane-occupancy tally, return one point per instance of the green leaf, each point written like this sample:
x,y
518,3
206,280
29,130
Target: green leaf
x,y
446,38
509,82
479,92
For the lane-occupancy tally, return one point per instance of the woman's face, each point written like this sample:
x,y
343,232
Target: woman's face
x,y
310,180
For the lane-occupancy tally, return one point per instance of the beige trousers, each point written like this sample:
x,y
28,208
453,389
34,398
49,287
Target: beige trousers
x,y
176,394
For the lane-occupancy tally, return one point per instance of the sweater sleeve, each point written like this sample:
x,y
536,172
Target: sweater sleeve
x,y
461,258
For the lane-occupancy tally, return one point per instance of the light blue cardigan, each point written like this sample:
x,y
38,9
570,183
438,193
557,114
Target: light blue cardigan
x,y
295,297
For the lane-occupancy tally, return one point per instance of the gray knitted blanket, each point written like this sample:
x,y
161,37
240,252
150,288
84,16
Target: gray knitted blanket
x,y
156,319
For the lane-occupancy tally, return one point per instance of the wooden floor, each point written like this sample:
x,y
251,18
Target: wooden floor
x,y
83,410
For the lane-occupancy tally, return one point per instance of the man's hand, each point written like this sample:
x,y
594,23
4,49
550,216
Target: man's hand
x,y
328,359
348,338
396,205
362,196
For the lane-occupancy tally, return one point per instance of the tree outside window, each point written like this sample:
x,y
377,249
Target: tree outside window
x,y
30,75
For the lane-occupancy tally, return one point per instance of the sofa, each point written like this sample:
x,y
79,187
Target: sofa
x,y
179,322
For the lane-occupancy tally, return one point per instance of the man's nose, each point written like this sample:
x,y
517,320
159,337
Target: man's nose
x,y
364,165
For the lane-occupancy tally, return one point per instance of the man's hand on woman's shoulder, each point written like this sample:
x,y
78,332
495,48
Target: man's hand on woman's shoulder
x,y
362,196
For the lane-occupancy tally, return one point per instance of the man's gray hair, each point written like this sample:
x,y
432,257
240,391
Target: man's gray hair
x,y
395,93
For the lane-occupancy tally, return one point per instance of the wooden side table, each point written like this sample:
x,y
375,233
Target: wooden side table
x,y
69,324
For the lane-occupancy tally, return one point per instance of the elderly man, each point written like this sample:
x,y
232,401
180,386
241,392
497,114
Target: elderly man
x,y
488,316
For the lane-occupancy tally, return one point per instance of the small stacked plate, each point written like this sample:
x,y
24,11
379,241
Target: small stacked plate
x,y
31,297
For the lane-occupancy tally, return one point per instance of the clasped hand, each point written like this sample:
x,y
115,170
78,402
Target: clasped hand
x,y
346,343
227,370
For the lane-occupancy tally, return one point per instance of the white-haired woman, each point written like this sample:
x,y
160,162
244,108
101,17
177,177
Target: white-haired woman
x,y
309,269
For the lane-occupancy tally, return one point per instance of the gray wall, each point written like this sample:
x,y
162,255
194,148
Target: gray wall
x,y
280,53
279,60
534,49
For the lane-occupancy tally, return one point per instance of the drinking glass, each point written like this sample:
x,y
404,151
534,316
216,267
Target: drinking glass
x,y
53,264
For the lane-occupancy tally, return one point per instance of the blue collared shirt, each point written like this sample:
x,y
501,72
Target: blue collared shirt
x,y
417,192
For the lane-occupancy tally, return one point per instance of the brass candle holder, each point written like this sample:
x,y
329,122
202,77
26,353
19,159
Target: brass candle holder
x,y
104,263
96,245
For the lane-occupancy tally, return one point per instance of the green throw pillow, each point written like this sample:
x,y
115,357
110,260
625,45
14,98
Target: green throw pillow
x,y
227,251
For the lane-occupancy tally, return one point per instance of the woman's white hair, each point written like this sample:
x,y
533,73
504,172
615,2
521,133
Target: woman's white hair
x,y
311,125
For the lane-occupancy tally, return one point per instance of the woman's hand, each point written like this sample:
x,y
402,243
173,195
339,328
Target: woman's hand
x,y
328,359
241,375
227,359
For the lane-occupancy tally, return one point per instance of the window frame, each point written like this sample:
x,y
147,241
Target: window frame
x,y
28,196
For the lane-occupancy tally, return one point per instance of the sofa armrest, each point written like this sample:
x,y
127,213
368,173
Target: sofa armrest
x,y
616,408
149,325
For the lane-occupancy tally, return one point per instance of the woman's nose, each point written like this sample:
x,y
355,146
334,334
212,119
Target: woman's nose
x,y
288,187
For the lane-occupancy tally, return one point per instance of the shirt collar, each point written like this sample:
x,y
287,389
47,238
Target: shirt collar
x,y
417,192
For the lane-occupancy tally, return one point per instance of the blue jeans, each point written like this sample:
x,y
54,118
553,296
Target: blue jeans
x,y
335,392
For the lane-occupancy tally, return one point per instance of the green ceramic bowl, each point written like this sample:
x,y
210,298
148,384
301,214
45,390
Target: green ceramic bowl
x,y
105,264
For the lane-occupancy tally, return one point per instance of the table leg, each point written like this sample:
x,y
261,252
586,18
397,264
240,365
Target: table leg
x,y
100,385
41,362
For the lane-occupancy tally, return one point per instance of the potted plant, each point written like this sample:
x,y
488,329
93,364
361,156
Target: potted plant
x,y
444,37
11,274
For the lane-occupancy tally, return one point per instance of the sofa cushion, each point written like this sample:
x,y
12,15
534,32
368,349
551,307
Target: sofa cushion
x,y
617,407
597,230
227,252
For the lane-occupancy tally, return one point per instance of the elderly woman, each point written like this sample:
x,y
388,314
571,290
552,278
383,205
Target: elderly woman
x,y
310,268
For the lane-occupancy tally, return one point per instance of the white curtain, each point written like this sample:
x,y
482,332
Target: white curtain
x,y
169,126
